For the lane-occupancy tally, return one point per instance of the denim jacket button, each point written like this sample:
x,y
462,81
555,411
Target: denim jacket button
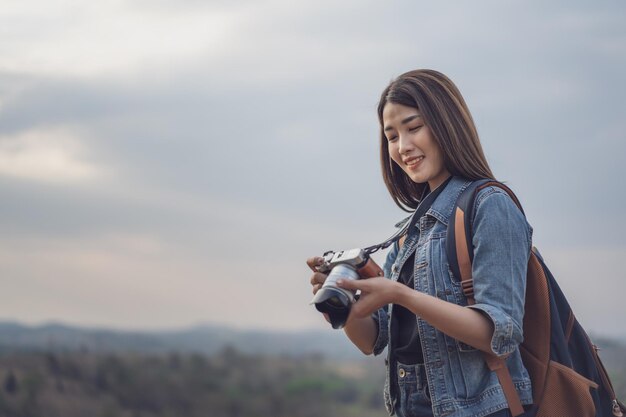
x,y
394,268
401,373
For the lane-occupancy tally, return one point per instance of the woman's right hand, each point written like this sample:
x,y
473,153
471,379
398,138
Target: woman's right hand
x,y
317,279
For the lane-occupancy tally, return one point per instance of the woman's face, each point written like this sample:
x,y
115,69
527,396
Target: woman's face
x,y
412,146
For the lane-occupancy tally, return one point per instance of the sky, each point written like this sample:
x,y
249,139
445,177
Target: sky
x,y
170,163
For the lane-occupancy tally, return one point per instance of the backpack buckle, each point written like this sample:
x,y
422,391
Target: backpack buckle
x,y
468,288
617,410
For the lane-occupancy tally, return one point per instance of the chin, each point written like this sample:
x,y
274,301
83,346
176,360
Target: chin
x,y
418,179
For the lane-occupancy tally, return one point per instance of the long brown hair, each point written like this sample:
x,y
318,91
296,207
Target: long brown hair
x,y
445,113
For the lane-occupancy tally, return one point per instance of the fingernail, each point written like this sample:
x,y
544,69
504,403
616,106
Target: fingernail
x,y
339,282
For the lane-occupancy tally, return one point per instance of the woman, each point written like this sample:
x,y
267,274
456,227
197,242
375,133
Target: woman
x,y
430,152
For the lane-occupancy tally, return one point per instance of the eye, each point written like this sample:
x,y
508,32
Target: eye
x,y
391,139
415,129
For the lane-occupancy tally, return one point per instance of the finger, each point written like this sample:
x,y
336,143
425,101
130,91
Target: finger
x,y
350,284
316,288
318,278
314,262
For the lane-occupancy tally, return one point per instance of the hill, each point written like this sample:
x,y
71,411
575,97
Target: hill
x,y
205,339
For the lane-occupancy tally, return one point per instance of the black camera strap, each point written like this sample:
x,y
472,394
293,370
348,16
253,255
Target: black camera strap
x,y
427,200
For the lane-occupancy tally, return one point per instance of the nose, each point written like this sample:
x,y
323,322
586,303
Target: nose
x,y
405,145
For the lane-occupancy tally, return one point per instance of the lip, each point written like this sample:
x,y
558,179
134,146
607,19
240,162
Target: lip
x,y
414,161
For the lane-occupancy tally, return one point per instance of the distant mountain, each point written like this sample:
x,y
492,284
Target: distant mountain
x,y
206,339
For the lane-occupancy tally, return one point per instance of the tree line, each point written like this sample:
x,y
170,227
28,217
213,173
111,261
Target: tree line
x,y
228,384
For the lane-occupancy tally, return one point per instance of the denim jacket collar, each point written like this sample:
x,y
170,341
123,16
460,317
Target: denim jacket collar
x,y
444,204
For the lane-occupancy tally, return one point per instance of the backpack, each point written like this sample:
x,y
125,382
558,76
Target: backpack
x,y
568,378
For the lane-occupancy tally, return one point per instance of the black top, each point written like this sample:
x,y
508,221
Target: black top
x,y
405,345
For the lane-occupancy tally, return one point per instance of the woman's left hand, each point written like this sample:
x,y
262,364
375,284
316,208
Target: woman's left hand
x,y
375,294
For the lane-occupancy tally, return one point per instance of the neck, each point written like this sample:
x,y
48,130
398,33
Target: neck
x,y
434,184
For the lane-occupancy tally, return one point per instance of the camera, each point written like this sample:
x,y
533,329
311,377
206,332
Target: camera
x,y
347,264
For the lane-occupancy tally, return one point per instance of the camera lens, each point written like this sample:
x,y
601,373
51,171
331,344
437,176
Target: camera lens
x,y
335,302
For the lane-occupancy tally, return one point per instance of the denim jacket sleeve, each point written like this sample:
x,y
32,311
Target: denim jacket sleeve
x,y
381,316
502,244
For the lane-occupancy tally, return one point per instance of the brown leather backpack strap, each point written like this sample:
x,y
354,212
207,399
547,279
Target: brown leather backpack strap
x,y
505,188
495,363
498,365
462,251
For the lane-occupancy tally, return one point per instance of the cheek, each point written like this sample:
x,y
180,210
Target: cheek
x,y
393,153
439,159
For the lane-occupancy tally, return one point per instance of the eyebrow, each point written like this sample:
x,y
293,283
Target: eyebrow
x,y
404,121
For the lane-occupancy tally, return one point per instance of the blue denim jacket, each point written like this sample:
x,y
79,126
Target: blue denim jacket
x,y
461,384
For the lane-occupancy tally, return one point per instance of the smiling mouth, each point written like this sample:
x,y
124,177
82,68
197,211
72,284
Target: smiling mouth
x,y
412,163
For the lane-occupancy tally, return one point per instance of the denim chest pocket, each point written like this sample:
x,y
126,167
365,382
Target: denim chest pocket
x,y
447,285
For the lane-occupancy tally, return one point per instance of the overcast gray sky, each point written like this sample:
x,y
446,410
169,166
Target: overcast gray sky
x,y
167,163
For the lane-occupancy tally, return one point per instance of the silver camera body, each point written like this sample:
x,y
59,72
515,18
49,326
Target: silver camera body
x,y
351,257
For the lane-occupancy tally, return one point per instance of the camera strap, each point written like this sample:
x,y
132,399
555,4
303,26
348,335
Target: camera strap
x,y
426,201
404,227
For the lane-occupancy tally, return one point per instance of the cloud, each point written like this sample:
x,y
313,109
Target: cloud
x,y
89,40
52,155
157,153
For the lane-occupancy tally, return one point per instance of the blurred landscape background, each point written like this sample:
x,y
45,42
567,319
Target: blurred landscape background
x,y
166,167
60,371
